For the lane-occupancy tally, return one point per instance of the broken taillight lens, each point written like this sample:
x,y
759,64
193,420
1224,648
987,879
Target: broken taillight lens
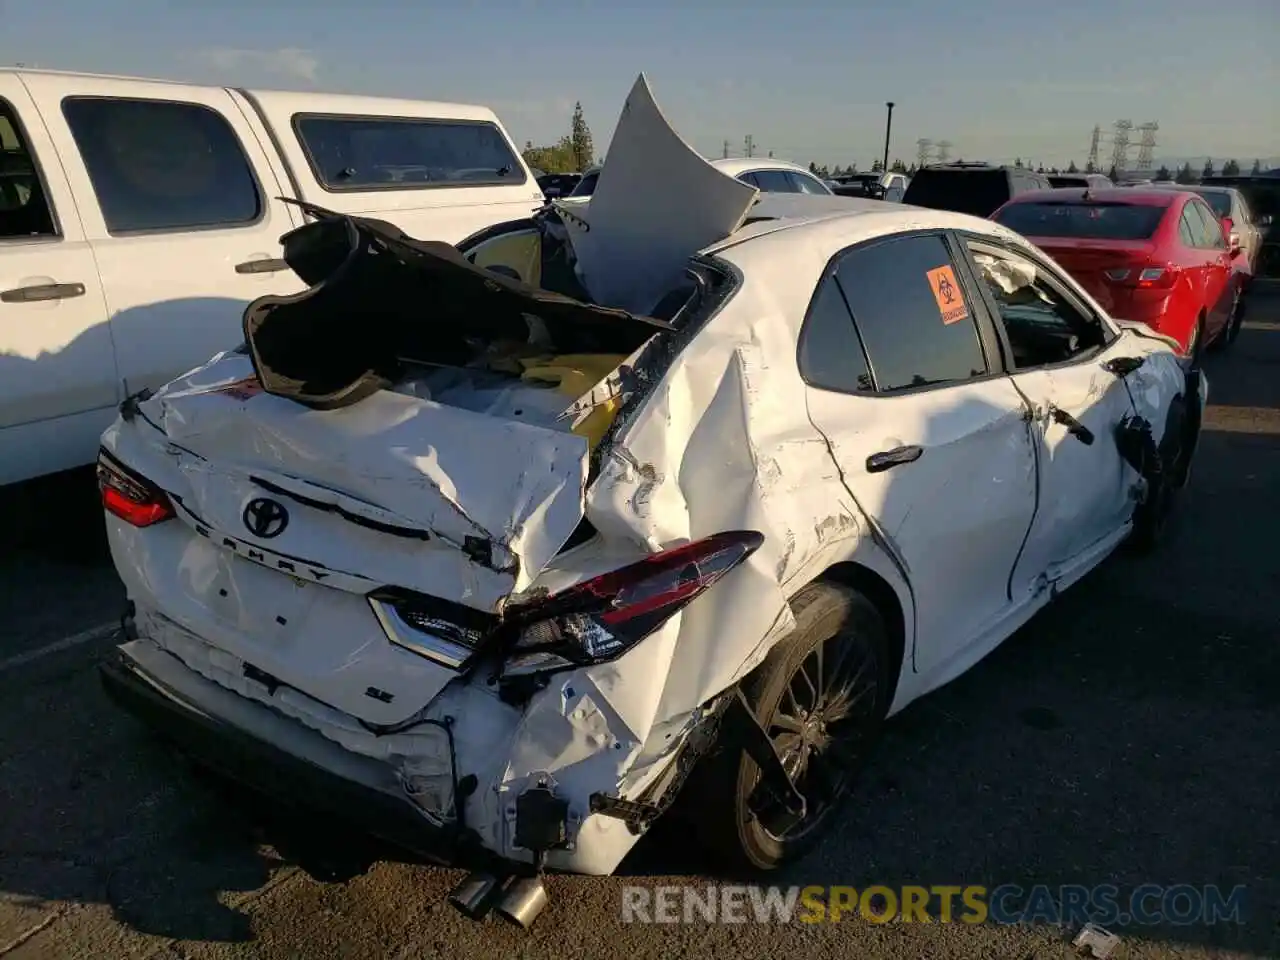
x,y
601,618
130,496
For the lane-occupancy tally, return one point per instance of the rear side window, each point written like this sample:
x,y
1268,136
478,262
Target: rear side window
x,y
1093,221
806,184
25,211
831,355
1206,229
159,165
976,192
390,153
774,181
911,312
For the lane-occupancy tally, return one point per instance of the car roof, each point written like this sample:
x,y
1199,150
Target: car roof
x,y
736,165
809,214
1137,196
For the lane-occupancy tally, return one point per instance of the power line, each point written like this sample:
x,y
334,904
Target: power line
x,y
924,149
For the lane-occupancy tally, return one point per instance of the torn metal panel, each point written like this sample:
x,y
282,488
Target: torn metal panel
x,y
656,204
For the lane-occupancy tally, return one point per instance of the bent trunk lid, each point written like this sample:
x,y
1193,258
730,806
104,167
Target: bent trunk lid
x,y
1089,260
393,491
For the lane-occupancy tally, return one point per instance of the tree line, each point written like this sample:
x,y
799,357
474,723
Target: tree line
x,y
574,153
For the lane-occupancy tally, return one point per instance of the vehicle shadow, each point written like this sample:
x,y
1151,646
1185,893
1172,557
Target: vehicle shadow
x,y
1126,736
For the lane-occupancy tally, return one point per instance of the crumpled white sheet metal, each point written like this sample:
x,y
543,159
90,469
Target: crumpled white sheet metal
x,y
656,204
397,459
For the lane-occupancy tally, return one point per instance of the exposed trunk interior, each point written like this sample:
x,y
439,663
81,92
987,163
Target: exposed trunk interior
x,y
380,303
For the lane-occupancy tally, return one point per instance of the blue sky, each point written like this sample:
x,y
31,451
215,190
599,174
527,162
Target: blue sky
x,y
808,80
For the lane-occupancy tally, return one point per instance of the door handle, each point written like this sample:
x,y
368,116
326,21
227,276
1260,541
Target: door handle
x,y
1074,426
1123,366
887,459
272,265
44,291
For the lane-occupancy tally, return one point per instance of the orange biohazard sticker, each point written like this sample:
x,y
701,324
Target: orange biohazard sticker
x,y
942,281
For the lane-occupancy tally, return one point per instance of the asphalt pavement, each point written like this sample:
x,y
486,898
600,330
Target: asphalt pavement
x,y
1127,736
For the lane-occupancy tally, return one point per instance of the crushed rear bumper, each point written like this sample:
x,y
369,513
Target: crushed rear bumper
x,y
349,790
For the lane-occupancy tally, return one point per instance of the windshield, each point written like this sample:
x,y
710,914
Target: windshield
x,y
1088,221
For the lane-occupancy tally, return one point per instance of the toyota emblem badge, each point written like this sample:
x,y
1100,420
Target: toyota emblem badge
x,y
265,518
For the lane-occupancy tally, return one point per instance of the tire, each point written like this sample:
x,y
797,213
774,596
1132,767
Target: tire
x,y
1231,329
833,619
1152,519
1237,317
1195,349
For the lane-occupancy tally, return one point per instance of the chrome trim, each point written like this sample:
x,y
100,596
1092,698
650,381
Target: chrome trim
x,y
402,634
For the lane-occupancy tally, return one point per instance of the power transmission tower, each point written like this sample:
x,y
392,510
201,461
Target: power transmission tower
x,y
750,145
1093,148
1120,144
924,151
725,154
1147,146
944,151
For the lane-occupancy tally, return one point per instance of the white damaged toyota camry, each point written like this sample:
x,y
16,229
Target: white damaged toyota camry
x,y
496,550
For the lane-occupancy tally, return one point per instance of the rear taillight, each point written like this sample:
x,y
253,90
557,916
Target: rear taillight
x,y
130,496
602,618
1143,278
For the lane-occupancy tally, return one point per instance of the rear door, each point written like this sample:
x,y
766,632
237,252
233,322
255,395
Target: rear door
x,y
177,196
931,440
58,386
1057,347
1213,263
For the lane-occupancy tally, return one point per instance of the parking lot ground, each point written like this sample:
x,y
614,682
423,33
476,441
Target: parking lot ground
x,y
1127,736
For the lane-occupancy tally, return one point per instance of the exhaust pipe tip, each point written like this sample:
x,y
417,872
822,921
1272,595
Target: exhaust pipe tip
x,y
523,901
474,895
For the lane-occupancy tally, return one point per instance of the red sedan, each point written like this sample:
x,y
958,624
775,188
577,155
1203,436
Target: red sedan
x,y
1161,257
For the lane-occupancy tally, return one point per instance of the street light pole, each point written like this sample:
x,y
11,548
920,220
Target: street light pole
x,y
888,126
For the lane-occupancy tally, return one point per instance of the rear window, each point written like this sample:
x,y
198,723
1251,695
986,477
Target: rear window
x,y
1091,221
1221,202
586,186
1068,182
390,153
976,192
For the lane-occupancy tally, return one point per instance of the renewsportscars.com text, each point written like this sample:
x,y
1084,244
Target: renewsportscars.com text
x,y
1106,904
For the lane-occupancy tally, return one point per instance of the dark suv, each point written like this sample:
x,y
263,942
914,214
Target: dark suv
x,y
974,188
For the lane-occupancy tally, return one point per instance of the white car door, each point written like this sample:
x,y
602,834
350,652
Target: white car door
x,y
178,199
1058,349
58,385
932,440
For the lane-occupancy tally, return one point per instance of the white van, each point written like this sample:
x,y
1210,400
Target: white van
x,y
139,217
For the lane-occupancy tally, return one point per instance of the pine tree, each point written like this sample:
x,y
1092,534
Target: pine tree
x,y
1072,168
1208,168
1257,168
580,139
